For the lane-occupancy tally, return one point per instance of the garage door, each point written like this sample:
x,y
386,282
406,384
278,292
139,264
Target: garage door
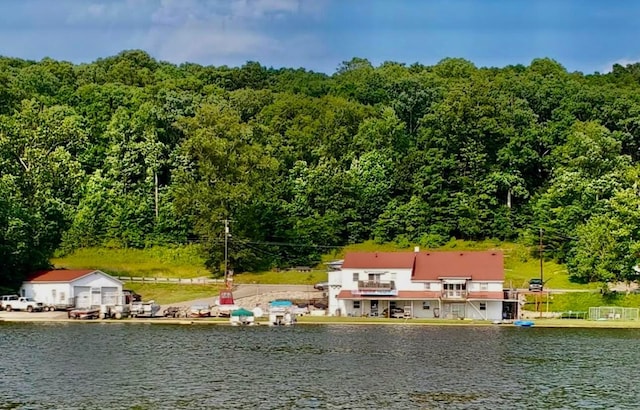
x,y
83,296
109,295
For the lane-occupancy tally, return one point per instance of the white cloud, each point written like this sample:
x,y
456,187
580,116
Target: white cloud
x,y
107,12
214,32
197,41
262,8
623,62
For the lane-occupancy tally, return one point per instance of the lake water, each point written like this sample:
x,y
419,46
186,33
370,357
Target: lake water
x,y
143,366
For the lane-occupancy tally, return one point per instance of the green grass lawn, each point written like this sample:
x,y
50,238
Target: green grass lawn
x,y
282,277
187,262
582,301
166,262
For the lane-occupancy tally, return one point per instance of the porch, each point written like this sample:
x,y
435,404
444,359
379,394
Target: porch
x,y
424,305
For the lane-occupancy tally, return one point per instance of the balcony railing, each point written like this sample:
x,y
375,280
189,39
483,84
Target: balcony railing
x,y
375,285
454,294
380,288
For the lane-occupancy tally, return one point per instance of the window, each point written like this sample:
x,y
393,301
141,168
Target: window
x,y
356,276
374,277
484,286
356,304
483,306
427,286
426,305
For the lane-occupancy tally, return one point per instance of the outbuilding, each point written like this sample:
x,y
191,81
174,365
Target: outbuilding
x,y
72,288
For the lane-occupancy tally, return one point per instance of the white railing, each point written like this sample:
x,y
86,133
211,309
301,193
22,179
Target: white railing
x,y
188,281
454,294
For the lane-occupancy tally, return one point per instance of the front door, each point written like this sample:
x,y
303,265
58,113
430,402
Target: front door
x,y
374,308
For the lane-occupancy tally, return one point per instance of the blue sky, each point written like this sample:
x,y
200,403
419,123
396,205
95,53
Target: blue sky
x,y
583,35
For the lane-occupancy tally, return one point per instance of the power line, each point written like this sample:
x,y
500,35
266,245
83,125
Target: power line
x,y
291,244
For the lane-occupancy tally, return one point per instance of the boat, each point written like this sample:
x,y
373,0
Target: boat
x,y
199,311
83,313
281,313
225,303
523,323
144,309
242,317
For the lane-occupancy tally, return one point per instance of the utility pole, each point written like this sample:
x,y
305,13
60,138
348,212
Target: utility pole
x,y
226,250
541,258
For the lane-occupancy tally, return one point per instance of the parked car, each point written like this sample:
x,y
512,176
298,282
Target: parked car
x,y
396,313
321,286
23,303
535,285
7,299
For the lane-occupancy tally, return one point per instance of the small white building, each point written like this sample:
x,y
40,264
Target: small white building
x,y
78,288
433,284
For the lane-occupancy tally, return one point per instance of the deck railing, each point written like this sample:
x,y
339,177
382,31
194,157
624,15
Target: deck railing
x,y
454,294
375,285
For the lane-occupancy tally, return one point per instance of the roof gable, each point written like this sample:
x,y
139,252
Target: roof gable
x,y
478,265
378,260
62,275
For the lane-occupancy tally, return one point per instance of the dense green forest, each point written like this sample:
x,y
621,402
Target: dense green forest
x,y
129,151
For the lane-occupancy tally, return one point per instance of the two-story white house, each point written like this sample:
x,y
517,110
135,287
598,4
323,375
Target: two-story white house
x,y
433,284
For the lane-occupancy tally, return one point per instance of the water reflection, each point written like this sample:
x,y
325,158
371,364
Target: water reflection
x,y
97,366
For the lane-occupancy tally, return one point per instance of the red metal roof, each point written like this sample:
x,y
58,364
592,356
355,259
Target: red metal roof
x,y
402,294
58,275
478,265
378,260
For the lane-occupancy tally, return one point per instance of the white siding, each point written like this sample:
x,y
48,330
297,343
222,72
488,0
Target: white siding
x,y
493,310
476,286
49,293
419,311
98,280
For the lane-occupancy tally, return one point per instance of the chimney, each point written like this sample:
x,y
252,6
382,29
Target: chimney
x,y
416,249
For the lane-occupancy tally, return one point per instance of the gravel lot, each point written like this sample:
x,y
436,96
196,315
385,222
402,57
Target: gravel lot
x,y
33,315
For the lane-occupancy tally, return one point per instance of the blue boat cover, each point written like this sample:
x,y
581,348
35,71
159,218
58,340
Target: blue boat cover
x,y
281,303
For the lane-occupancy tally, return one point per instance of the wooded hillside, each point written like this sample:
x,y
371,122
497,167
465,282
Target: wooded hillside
x,y
130,152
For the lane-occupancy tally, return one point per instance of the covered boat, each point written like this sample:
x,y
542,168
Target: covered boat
x,y
225,303
242,317
281,313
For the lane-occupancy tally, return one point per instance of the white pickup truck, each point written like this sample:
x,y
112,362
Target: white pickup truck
x,y
10,303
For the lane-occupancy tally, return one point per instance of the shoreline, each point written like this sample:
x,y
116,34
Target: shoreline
x,y
308,320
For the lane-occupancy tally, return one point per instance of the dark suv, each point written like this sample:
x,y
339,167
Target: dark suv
x,y
535,285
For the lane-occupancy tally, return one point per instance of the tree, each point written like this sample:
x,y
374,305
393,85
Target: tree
x,y
607,248
221,169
